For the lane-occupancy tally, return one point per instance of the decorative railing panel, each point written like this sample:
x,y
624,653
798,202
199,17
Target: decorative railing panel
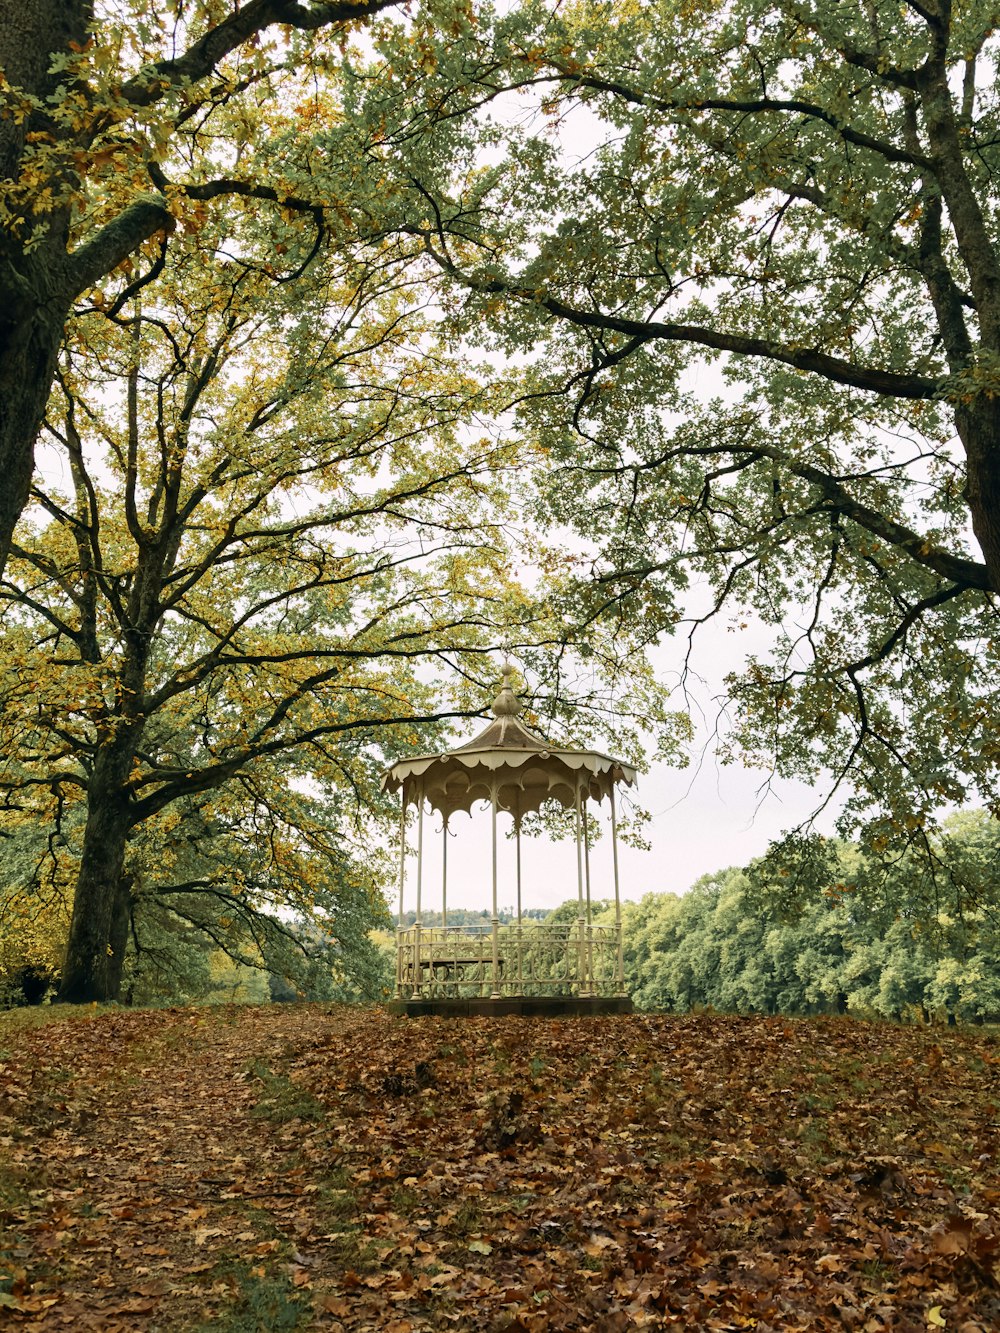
x,y
526,959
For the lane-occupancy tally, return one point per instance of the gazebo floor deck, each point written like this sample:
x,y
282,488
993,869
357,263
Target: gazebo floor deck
x,y
536,1006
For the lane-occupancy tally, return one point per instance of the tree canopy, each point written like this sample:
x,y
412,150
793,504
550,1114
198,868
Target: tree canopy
x,y
723,278
265,526
749,252
119,126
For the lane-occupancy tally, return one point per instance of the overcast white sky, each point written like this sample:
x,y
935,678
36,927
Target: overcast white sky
x,y
701,822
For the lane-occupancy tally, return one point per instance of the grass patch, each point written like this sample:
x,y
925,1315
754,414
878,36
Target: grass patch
x,y
469,1219
255,1301
13,1022
15,1200
282,1100
14,1186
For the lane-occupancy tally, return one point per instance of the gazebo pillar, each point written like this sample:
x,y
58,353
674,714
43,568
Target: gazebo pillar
x,y
418,924
495,993
589,952
400,957
444,875
581,921
619,957
520,937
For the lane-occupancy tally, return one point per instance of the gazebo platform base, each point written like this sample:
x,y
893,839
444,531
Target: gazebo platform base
x,y
535,1006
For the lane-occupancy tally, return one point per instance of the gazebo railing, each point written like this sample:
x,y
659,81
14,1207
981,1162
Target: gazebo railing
x,y
526,959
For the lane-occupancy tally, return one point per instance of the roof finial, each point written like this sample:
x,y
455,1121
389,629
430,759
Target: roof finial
x,y
506,704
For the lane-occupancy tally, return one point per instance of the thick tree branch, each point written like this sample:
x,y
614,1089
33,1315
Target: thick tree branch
x,y
871,379
116,241
966,574
186,783
972,232
242,25
782,106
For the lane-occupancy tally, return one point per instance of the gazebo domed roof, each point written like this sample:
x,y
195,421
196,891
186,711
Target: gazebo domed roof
x,y
508,759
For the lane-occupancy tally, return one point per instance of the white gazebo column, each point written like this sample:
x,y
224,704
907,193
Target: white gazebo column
x,y
400,965
520,937
451,972
581,962
620,961
495,991
589,990
417,971
444,875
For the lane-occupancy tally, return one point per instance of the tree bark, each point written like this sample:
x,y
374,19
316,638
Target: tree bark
x,y
97,934
978,427
118,938
30,331
35,291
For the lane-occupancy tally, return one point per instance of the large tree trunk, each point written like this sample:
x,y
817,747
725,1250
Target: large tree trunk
x,y
979,428
34,290
98,930
29,345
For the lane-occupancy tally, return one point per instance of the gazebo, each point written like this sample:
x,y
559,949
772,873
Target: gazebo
x,y
525,966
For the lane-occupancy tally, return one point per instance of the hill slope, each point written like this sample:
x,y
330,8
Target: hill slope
x,y
296,1167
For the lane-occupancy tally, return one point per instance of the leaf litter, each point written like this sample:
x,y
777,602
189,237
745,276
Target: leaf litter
x,y
318,1167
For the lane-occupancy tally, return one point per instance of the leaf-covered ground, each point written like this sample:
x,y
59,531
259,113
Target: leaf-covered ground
x,y
308,1167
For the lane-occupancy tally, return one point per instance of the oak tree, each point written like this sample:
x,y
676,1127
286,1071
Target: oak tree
x,y
119,124
261,533
746,257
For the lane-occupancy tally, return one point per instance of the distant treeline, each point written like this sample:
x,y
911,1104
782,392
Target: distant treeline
x,y
892,940
462,916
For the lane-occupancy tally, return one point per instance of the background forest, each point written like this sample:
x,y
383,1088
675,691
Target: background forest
x,y
875,940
